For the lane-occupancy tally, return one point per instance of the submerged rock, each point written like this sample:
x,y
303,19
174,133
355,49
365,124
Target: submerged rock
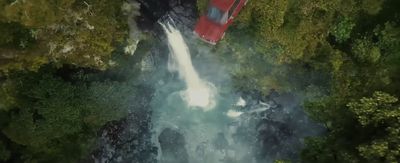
x,y
220,142
129,140
172,145
274,126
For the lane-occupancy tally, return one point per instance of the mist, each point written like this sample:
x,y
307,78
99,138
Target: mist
x,y
198,117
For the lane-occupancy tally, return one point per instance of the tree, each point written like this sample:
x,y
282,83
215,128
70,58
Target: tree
x,y
93,29
56,120
379,113
375,120
4,152
342,30
299,27
372,6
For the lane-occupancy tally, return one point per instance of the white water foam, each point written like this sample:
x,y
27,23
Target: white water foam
x,y
198,93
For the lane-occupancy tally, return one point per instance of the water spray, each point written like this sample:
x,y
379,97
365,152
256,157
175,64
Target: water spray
x,y
198,93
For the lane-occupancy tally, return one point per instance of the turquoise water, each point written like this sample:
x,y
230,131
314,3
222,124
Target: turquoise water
x,y
203,128
197,126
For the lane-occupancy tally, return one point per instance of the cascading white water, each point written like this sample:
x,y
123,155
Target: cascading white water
x,y
210,135
227,133
198,93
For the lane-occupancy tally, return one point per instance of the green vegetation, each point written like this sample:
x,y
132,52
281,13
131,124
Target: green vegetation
x,y
202,6
34,33
62,78
54,118
55,94
55,114
343,55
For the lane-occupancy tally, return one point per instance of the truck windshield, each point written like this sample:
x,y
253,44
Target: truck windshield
x,y
217,15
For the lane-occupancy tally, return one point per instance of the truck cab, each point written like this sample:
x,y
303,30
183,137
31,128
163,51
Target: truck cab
x,y
214,22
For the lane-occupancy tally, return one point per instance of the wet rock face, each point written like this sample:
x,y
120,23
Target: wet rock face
x,y
183,12
276,140
128,140
276,132
154,9
172,145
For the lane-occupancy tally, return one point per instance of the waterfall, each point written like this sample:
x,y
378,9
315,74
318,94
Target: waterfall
x,y
198,93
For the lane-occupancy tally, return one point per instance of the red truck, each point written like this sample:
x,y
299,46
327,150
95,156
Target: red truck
x,y
211,26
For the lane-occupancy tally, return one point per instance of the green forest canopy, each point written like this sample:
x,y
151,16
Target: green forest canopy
x,y
343,54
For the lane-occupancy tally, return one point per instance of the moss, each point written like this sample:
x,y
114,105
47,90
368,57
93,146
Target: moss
x,y
342,30
82,33
16,36
202,5
49,116
372,7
